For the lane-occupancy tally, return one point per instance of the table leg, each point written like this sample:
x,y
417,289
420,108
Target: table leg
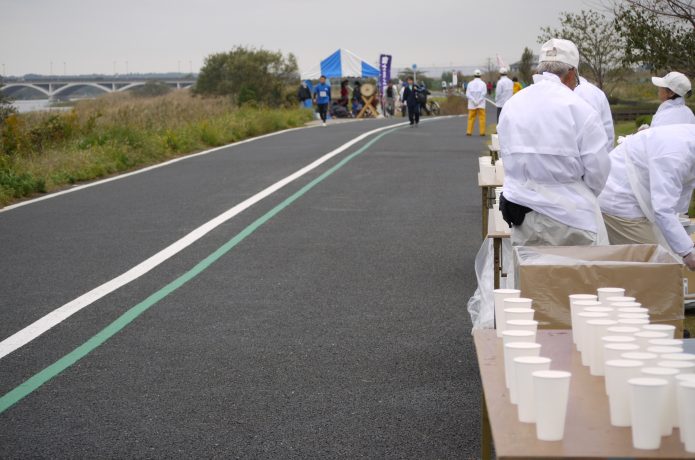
x,y
486,441
497,261
483,191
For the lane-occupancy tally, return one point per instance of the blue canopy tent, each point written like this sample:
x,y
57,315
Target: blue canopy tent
x,y
342,63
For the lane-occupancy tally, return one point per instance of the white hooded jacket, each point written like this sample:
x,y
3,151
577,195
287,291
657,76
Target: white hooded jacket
x,y
476,92
503,91
671,112
664,160
552,143
598,100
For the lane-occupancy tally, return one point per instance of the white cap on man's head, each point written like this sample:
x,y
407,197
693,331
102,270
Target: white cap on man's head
x,y
559,50
675,81
477,73
503,71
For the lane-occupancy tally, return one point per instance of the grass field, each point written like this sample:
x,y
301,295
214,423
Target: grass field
x,y
44,151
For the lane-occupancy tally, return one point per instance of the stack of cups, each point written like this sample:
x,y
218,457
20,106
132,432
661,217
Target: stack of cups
x,y
487,170
500,296
606,292
685,402
550,397
574,309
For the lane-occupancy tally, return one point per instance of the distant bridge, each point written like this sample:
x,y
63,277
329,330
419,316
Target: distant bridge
x,y
64,88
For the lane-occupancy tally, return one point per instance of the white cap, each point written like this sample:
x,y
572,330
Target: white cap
x,y
675,81
503,70
559,50
477,73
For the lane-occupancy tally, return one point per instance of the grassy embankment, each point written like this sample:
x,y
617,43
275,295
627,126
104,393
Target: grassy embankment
x,y
42,152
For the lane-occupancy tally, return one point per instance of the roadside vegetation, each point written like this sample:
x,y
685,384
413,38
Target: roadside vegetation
x,y
45,151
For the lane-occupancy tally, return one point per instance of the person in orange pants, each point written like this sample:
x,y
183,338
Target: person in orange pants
x,y
475,93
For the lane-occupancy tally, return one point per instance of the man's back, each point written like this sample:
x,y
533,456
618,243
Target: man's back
x,y
598,100
504,90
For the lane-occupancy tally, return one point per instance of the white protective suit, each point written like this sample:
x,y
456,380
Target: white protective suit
x,y
554,150
672,112
503,91
653,176
598,100
476,92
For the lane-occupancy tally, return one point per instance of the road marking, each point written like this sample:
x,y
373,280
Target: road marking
x,y
37,380
38,327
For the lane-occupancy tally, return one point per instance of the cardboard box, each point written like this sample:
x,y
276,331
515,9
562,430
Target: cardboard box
x,y
548,274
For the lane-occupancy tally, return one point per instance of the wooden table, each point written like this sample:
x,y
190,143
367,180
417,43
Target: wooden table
x,y
588,432
488,199
497,262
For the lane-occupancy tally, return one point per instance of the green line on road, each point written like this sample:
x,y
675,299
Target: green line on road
x,y
36,381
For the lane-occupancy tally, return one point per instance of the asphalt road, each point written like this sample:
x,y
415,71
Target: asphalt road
x,y
337,328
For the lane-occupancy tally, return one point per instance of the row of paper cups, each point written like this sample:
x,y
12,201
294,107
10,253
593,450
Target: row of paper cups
x,y
540,394
489,173
650,382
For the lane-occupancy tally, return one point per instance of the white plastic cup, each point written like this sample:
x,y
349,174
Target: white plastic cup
x,y
522,390
518,302
596,329
647,399
511,314
518,336
600,309
666,343
582,337
634,322
669,329
521,325
614,351
669,416
643,337
686,403
661,350
620,329
606,292
618,299
516,350
682,411
500,295
633,310
632,316
574,309
620,305
689,357
684,367
550,397
649,359
618,372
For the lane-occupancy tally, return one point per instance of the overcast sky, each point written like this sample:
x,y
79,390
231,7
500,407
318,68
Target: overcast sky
x,y
159,36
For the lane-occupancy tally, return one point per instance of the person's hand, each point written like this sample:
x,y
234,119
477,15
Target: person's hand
x,y
689,260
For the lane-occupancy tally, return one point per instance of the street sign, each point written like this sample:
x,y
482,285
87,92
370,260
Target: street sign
x,y
414,66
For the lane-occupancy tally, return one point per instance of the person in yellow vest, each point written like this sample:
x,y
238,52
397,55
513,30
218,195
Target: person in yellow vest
x,y
476,92
517,86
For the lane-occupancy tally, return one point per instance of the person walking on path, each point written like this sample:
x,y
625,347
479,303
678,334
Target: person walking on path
x,y
651,181
598,100
503,91
322,94
304,95
410,97
674,87
555,159
390,99
476,92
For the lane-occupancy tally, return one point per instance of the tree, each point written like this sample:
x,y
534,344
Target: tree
x,y
152,88
6,107
249,75
601,48
658,33
525,66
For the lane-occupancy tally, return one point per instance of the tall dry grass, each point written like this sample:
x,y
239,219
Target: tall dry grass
x,y
41,152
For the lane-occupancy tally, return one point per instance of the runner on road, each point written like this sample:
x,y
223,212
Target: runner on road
x,y
322,95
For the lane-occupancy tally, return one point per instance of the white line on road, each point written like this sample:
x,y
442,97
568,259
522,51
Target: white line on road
x,y
29,333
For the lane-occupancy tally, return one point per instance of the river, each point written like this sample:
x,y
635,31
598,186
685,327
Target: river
x,y
36,105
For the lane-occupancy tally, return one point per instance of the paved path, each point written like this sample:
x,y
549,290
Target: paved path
x,y
335,326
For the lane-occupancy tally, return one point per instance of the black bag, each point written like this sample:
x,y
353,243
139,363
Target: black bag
x,y
512,213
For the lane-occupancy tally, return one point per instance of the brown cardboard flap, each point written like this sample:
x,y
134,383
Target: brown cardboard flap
x,y
548,275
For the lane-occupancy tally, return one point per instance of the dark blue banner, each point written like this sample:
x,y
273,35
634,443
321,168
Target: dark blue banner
x,y
384,70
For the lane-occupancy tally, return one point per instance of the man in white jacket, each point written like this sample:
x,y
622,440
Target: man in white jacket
x,y
598,100
475,93
674,87
503,90
555,158
652,178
